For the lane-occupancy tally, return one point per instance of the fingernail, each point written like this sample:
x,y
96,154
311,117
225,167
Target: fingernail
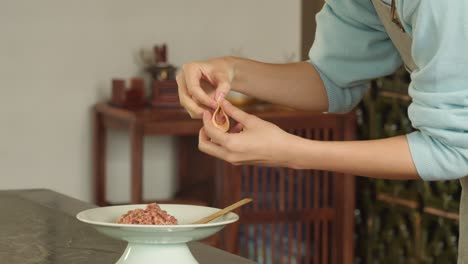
x,y
220,96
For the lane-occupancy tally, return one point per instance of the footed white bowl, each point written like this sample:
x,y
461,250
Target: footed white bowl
x,y
157,243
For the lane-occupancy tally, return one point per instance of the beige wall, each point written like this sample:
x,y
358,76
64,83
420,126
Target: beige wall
x,y
56,60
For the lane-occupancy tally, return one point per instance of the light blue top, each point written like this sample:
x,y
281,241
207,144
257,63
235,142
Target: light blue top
x,y
351,47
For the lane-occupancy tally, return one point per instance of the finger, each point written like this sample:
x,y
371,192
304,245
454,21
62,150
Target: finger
x,y
221,91
193,109
195,100
191,106
237,128
214,133
205,145
193,77
237,114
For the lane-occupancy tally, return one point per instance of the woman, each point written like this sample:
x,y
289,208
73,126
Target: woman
x,y
356,40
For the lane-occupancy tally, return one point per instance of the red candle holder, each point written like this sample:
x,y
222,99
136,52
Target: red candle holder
x,y
128,98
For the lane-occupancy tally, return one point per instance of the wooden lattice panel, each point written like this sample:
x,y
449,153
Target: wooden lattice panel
x,y
297,216
291,220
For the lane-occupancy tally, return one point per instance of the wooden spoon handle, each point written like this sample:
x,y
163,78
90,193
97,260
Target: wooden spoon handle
x,y
223,211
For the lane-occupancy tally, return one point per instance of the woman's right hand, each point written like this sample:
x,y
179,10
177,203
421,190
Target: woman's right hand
x,y
202,84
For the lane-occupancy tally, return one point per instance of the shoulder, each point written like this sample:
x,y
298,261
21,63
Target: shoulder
x,y
358,11
352,6
434,12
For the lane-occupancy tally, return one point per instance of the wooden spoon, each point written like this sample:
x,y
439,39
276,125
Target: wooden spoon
x,y
223,211
220,111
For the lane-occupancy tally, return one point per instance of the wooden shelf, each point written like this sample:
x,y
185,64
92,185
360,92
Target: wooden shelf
x,y
415,205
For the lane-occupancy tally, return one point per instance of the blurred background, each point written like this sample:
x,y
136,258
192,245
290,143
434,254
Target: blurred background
x,y
58,60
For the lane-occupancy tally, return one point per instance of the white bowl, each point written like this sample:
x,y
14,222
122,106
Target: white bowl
x,y
157,243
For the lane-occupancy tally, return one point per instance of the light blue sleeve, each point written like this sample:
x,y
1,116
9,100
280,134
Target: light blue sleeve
x,y
351,47
439,89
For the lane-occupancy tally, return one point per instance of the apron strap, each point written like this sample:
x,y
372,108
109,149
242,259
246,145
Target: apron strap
x,y
394,28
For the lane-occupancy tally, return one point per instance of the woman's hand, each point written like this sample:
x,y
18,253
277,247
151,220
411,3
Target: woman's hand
x,y
202,84
251,141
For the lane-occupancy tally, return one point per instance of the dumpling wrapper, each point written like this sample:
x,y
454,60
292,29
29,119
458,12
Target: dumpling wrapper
x,y
219,112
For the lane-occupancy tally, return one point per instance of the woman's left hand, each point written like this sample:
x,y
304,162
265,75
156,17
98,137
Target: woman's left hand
x,y
251,141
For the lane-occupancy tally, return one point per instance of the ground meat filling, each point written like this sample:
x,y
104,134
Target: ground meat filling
x,y
151,215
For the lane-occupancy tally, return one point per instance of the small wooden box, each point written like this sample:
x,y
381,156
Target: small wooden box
x,y
165,94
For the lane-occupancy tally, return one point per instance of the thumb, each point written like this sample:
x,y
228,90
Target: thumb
x,y
237,114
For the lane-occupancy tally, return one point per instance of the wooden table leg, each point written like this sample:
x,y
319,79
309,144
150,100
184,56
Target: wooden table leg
x,y
136,141
183,162
99,156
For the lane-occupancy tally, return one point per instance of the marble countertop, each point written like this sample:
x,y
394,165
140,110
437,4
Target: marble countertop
x,y
39,226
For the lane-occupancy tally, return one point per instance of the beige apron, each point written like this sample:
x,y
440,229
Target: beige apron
x,y
402,42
